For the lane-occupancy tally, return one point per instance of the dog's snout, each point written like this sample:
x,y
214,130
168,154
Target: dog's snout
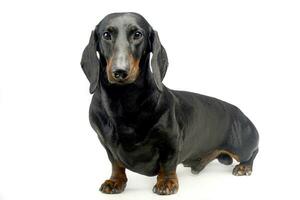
x,y
120,74
120,66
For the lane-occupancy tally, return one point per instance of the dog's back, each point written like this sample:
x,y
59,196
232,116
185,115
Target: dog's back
x,y
210,124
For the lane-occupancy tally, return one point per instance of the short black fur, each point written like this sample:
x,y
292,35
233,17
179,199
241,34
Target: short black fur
x,y
148,127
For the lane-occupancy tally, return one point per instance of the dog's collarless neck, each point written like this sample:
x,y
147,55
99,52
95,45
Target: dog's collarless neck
x,y
128,99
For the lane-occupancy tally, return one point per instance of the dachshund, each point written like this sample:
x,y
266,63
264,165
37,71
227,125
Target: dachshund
x,y
146,127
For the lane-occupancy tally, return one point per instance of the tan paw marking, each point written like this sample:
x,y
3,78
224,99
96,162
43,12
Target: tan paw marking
x,y
242,170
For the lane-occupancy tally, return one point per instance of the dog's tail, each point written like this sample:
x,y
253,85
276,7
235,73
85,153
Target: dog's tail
x,y
225,159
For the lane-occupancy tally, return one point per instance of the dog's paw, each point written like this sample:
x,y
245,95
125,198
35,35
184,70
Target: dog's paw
x,y
242,170
113,186
166,187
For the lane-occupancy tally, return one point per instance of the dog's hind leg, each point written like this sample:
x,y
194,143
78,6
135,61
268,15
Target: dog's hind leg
x,y
224,157
197,168
245,167
199,165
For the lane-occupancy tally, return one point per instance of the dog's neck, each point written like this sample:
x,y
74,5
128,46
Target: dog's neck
x,y
131,99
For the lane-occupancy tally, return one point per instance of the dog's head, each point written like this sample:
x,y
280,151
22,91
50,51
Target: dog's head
x,y
117,47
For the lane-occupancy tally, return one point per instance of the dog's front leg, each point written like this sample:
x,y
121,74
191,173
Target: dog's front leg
x,y
167,182
117,182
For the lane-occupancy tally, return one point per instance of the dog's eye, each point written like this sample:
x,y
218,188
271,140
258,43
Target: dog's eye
x,y
137,35
106,36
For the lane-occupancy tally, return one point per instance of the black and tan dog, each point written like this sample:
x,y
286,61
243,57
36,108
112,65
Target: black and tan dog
x,y
146,127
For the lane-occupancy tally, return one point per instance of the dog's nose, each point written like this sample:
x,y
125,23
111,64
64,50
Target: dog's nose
x,y
120,74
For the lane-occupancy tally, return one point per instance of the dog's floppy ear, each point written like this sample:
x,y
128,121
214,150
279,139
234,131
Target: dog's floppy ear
x,y
159,61
90,63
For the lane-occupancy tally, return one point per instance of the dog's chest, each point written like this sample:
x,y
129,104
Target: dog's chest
x,y
130,138
136,149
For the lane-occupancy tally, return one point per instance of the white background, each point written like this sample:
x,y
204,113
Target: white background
x,y
243,52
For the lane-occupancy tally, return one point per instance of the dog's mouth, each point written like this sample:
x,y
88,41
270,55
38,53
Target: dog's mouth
x,y
121,82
